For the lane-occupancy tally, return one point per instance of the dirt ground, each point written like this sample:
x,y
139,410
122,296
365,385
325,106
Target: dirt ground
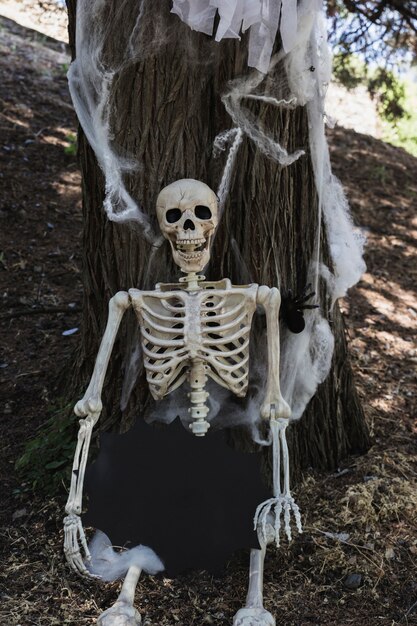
x,y
356,563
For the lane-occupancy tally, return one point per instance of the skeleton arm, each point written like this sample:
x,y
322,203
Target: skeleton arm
x,y
274,405
91,402
89,407
268,515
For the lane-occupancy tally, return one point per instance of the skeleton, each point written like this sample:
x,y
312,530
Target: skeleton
x,y
191,331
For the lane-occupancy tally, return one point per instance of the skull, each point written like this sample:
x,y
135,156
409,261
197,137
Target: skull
x,y
187,213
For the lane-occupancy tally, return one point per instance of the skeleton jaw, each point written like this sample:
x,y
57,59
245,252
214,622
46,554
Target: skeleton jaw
x,y
191,254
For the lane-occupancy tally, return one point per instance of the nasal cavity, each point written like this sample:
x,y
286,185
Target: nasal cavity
x,y
189,225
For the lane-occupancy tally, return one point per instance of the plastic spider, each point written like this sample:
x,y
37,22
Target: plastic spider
x,y
293,307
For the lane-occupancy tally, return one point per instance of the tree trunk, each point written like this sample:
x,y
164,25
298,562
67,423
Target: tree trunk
x,y
168,112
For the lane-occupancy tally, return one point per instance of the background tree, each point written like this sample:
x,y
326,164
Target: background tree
x,y
374,43
168,114
382,31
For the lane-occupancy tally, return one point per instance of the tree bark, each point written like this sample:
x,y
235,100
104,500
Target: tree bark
x,y
167,112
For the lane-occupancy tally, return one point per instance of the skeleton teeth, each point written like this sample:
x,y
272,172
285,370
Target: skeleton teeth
x,y
191,245
189,241
190,255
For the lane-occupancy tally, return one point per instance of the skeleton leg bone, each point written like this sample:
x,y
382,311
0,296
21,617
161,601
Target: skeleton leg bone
x,y
123,613
253,613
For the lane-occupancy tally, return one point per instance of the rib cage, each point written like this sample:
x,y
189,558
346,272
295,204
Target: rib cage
x,y
211,325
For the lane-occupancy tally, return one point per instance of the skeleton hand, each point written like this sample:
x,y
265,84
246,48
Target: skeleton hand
x,y
73,536
268,520
90,404
292,308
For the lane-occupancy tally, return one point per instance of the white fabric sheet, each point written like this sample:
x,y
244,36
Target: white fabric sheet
x,y
262,17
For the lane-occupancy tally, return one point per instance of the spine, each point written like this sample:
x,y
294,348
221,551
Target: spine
x,y
198,395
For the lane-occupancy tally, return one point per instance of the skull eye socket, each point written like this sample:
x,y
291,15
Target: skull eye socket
x,y
173,215
202,212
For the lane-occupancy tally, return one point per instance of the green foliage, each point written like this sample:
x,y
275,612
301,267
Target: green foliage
x,y
71,148
47,458
387,89
396,98
403,132
379,173
389,92
349,70
383,32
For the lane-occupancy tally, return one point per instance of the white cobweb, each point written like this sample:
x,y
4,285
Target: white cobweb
x,y
305,358
90,78
296,76
110,564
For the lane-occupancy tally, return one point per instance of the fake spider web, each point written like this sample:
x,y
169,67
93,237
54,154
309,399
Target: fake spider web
x,y
305,66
